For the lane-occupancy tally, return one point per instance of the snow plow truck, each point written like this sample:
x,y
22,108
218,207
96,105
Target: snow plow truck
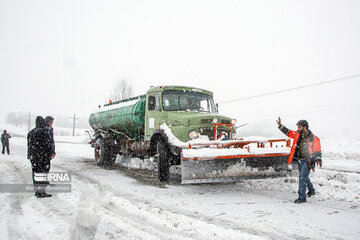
x,y
177,125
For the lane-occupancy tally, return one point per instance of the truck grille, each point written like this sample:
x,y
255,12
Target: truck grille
x,y
210,132
225,121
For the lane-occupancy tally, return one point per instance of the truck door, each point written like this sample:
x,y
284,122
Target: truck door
x,y
153,116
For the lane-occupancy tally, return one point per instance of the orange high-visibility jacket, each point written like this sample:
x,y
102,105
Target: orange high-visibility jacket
x,y
313,145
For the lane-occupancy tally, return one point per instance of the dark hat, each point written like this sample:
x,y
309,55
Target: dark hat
x,y
303,123
48,119
40,121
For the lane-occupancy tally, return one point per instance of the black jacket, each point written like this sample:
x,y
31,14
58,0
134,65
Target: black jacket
x,y
52,142
39,141
5,138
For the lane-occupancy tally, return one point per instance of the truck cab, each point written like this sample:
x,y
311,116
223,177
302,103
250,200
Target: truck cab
x,y
189,112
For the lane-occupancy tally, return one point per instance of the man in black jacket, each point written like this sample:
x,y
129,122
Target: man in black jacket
x,y
5,142
39,153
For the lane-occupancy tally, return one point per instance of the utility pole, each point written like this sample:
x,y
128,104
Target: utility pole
x,y
74,124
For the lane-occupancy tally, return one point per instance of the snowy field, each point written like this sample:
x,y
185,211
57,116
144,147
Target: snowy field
x,y
111,204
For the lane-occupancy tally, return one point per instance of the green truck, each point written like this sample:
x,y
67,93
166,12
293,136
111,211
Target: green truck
x,y
176,125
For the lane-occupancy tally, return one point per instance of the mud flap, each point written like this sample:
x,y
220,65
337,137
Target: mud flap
x,y
230,169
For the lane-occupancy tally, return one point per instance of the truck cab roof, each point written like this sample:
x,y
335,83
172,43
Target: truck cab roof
x,y
184,88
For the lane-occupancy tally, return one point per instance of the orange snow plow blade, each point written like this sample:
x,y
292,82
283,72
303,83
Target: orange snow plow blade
x,y
228,161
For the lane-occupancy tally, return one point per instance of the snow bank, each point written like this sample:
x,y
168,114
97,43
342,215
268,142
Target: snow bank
x,y
59,131
347,148
71,139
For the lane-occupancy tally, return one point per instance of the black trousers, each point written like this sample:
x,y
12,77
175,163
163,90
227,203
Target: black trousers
x,y
5,145
40,166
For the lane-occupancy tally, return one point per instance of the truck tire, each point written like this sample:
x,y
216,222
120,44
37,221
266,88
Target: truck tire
x,y
104,153
163,155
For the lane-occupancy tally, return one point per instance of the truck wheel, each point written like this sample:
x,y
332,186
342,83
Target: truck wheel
x,y
163,155
104,153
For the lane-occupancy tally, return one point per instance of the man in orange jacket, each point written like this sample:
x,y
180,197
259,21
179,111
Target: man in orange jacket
x,y
306,149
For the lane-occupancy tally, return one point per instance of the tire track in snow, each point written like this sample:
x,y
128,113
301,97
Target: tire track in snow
x,y
131,221
90,199
225,224
16,201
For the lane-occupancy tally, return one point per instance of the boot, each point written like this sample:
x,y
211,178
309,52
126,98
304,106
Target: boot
x,y
47,195
37,194
300,200
310,193
42,195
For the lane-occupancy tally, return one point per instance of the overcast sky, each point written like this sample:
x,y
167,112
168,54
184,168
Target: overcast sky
x,y
63,57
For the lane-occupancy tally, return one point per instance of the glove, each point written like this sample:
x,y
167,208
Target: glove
x,y
312,165
319,163
315,157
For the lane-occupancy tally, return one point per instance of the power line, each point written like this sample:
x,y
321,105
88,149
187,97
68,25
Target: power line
x,y
293,89
331,108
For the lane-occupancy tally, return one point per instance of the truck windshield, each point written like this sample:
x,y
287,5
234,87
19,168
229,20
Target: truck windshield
x,y
176,100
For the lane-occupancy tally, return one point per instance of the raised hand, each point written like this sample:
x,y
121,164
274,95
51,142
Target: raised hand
x,y
279,121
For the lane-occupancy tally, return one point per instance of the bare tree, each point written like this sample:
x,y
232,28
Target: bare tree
x,y
17,118
122,90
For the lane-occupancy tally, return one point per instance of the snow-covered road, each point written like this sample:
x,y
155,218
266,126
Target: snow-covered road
x,y
111,204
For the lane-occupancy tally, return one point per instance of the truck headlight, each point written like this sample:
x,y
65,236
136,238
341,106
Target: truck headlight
x,y
233,121
215,120
193,135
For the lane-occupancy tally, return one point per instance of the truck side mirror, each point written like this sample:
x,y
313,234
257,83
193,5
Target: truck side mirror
x,y
216,108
